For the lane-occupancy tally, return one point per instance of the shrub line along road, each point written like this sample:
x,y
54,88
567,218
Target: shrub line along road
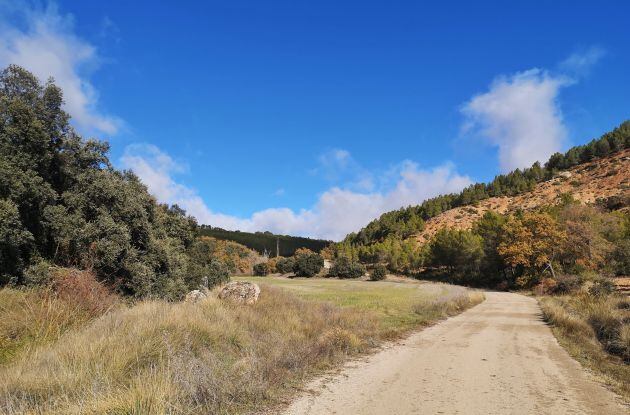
x,y
496,358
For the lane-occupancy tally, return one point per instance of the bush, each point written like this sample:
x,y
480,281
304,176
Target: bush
x,y
81,289
378,273
39,273
608,327
272,264
345,268
285,265
308,264
262,269
546,286
568,284
601,287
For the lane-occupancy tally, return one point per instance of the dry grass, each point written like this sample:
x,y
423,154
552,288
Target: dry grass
x,y
31,318
181,358
399,306
596,332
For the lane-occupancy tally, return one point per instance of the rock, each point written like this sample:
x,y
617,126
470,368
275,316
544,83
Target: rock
x,y
565,174
195,296
242,292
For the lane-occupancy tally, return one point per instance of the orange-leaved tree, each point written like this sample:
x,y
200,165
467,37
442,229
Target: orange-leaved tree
x,y
530,243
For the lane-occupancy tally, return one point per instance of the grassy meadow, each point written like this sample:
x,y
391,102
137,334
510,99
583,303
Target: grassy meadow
x,y
398,306
158,357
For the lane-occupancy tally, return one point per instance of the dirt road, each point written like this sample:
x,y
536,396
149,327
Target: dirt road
x,y
497,358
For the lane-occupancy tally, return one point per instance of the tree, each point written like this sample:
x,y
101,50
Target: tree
x,y
490,227
343,267
589,233
460,251
378,273
530,243
61,201
307,264
15,242
261,269
285,265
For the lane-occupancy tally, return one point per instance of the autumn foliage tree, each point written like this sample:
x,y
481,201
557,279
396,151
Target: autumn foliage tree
x,y
529,244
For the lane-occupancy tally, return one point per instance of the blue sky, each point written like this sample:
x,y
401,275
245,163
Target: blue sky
x,y
313,117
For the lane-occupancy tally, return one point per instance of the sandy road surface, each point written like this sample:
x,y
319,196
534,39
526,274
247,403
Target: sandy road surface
x,y
497,358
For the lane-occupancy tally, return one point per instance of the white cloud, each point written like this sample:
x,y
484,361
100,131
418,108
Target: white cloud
x,y
520,115
337,211
47,46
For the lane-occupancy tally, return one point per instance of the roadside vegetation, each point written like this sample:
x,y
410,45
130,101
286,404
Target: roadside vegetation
x,y
38,316
212,356
595,330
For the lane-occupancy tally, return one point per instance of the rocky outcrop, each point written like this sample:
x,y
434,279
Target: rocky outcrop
x,y
241,292
195,296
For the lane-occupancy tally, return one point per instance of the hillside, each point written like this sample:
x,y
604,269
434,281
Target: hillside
x,y
408,222
588,182
265,241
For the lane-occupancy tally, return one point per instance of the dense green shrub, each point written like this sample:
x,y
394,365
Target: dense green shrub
x,y
379,272
62,202
261,269
345,268
308,264
285,265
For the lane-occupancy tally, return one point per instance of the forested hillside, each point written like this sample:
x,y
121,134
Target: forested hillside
x,y
62,204
458,236
408,221
266,241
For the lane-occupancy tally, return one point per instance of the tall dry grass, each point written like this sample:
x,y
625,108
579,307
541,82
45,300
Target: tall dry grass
x,y
595,330
34,317
212,357
159,357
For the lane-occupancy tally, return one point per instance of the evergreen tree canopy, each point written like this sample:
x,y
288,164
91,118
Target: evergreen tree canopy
x,y
62,203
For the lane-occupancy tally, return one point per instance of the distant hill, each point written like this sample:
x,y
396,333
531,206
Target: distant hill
x,y
265,241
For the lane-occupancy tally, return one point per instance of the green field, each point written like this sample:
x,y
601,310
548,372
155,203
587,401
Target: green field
x,y
399,306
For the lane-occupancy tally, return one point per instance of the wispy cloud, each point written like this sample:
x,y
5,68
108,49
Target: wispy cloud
x,y
43,41
579,64
337,211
